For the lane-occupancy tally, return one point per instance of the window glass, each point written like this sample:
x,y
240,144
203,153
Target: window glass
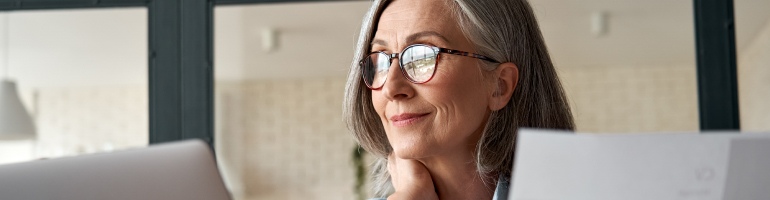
x,y
80,76
280,78
626,66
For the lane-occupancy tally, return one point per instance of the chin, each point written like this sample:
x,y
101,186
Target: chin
x,y
414,149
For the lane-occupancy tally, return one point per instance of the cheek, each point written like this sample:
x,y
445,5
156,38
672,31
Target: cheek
x,y
462,88
461,111
379,102
461,101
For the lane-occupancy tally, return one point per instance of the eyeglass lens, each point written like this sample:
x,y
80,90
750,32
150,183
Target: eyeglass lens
x,y
376,69
419,64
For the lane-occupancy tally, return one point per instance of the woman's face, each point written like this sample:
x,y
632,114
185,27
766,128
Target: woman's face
x,y
444,115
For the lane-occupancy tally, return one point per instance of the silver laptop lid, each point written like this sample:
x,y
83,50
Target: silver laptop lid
x,y
183,170
660,166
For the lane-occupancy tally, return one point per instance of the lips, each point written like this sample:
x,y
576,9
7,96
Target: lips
x,y
407,118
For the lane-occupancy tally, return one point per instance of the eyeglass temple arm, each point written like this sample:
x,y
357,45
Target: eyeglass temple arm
x,y
463,53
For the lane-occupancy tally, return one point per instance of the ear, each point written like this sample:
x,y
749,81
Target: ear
x,y
507,79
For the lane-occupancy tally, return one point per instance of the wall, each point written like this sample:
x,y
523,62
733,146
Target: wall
x,y
279,130
82,74
76,120
754,82
76,47
80,120
632,98
285,138
663,98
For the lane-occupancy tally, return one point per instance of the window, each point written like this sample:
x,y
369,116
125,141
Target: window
x,y
82,76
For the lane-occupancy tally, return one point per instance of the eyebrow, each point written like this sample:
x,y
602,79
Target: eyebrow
x,y
380,42
419,35
413,38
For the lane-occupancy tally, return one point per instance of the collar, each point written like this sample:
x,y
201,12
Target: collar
x,y
501,191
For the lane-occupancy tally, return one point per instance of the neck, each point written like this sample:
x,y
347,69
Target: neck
x,y
455,176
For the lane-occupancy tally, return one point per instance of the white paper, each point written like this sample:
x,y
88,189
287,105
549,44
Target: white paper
x,y
553,165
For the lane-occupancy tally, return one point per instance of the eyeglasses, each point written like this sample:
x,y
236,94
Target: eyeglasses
x,y
417,62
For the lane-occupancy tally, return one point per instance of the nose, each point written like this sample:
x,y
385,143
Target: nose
x,y
397,87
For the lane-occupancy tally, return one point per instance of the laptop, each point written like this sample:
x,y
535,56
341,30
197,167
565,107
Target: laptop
x,y
552,165
184,170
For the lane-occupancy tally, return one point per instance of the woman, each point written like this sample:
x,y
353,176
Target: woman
x,y
438,89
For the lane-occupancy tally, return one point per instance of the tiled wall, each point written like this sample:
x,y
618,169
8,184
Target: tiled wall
x,y
632,98
294,144
80,120
77,120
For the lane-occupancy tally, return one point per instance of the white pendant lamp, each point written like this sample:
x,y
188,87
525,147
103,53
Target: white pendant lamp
x,y
15,121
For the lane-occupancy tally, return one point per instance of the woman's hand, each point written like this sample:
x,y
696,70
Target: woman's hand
x,y
411,180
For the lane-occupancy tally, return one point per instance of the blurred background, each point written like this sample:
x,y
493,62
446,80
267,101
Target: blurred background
x,y
81,76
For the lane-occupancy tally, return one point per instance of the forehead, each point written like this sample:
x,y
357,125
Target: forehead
x,y
403,18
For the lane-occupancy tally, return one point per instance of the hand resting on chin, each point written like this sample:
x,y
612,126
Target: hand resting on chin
x,y
410,179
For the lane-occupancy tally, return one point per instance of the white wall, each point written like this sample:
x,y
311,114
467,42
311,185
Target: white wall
x,y
229,43
60,48
314,39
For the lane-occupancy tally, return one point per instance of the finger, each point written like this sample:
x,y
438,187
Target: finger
x,y
412,170
411,179
409,173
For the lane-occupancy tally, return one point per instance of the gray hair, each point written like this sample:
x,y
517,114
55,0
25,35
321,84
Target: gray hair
x,y
504,30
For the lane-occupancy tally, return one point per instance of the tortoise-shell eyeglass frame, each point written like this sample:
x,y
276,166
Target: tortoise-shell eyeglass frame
x,y
436,50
